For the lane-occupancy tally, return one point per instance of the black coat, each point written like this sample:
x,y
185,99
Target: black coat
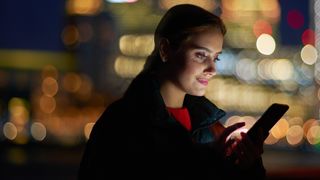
x,y
136,137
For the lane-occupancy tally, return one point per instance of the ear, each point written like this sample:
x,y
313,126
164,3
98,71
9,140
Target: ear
x,y
164,49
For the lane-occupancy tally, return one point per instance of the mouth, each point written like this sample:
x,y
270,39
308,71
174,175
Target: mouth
x,y
203,81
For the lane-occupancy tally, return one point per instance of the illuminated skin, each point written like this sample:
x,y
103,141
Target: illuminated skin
x,y
191,67
188,71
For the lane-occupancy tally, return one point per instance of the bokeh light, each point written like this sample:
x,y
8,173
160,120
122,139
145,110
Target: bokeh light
x,y
84,7
128,67
294,135
49,71
295,19
50,86
38,131
271,140
309,54
47,104
262,27
279,130
313,135
70,35
208,5
282,69
266,44
10,131
71,82
246,69
308,37
135,45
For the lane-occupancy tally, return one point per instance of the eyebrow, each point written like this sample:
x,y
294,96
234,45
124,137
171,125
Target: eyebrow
x,y
204,48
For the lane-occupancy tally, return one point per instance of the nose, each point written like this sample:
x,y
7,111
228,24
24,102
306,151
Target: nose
x,y
210,69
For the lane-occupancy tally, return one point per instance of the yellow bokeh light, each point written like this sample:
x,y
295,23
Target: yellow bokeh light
x,y
266,44
237,5
50,86
270,9
279,130
313,135
47,104
70,35
10,131
265,69
84,7
309,54
271,140
49,71
38,131
208,5
294,135
136,45
282,69
87,129
71,82
19,113
308,124
295,121
128,67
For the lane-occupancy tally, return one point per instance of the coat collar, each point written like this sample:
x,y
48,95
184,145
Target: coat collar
x,y
145,91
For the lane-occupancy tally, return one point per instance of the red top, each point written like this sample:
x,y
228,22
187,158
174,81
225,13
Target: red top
x,y
182,116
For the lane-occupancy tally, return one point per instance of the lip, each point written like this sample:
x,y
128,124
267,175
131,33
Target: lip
x,y
203,81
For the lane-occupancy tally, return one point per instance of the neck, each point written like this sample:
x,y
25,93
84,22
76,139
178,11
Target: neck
x,y
172,95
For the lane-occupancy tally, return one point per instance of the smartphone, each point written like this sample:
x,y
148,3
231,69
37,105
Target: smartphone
x,y
268,119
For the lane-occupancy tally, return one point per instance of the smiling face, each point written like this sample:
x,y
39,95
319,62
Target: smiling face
x,y
193,64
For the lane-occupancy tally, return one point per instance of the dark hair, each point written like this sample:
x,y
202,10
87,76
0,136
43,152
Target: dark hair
x,y
178,23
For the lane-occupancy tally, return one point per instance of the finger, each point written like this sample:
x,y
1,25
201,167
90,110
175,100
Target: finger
x,y
230,142
230,129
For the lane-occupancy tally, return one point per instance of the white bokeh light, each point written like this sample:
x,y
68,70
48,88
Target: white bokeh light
x,y
266,44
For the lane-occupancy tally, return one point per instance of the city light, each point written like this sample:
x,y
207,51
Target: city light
x,y
265,44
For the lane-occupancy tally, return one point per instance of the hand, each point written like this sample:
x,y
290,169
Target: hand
x,y
223,146
246,151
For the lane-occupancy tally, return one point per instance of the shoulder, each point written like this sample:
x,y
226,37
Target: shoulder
x,y
110,116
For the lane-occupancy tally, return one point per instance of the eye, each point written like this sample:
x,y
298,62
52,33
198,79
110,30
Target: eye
x,y
216,59
201,56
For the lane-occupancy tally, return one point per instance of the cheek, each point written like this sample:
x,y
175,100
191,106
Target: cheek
x,y
189,73
192,68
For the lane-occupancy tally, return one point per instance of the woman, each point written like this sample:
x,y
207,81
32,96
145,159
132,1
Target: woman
x,y
163,126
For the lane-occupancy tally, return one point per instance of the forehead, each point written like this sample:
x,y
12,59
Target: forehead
x,y
209,39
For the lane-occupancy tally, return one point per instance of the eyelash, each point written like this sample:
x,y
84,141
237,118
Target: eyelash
x,y
203,56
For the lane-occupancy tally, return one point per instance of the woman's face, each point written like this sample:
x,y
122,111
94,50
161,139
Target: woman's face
x,y
194,62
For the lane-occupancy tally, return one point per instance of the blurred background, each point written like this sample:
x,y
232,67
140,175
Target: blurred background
x,y
62,62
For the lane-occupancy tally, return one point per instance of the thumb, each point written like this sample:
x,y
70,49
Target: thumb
x,y
230,129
